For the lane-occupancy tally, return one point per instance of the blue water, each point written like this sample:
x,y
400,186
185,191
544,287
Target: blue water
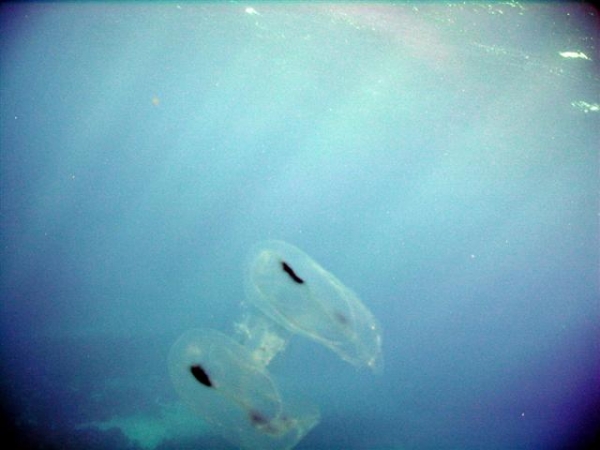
x,y
441,160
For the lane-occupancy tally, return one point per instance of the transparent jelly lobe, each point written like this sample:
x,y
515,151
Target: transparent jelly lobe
x,y
221,380
297,293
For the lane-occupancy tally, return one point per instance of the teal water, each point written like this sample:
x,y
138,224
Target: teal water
x,y
441,160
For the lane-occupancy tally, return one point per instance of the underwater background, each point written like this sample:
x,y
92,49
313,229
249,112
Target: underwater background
x,y
439,159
